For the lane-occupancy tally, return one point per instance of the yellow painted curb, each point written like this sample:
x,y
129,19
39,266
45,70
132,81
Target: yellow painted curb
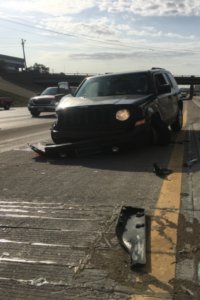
x,y
161,244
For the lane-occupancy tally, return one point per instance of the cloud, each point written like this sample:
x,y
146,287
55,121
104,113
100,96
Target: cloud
x,y
52,7
153,7
144,33
140,7
148,28
123,27
101,27
179,36
158,34
133,55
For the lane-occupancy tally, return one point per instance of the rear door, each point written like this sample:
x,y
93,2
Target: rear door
x,y
164,100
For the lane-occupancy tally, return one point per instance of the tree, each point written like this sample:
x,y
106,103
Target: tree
x,y
3,67
38,68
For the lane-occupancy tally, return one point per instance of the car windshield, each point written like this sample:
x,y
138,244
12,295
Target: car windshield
x,y
125,84
50,91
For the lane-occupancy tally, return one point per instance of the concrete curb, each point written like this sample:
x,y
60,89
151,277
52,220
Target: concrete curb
x,y
196,101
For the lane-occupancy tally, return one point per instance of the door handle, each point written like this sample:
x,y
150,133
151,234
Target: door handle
x,y
169,97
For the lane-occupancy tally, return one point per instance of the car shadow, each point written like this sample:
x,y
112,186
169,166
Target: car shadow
x,y
140,159
49,116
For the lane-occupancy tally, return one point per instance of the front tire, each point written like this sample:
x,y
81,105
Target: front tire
x,y
177,125
7,106
35,113
160,132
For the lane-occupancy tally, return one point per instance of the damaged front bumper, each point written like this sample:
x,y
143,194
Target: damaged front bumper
x,y
131,233
95,146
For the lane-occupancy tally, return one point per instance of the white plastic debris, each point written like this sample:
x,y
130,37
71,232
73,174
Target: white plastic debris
x,y
76,269
38,281
5,254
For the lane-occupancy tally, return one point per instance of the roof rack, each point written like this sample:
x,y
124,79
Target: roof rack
x,y
157,68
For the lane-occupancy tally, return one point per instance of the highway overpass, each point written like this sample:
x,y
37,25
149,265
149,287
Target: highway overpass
x,y
77,79
46,80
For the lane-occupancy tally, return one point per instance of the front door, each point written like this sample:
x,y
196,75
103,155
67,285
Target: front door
x,y
164,100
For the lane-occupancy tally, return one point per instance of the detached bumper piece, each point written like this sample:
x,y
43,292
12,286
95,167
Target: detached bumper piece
x,y
131,233
62,150
82,148
40,150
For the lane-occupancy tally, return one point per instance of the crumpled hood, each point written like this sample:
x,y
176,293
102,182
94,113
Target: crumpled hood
x,y
43,97
108,100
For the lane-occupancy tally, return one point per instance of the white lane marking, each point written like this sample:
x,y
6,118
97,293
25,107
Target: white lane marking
x,y
23,137
36,244
46,218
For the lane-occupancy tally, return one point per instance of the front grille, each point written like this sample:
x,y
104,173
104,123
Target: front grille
x,y
86,118
42,102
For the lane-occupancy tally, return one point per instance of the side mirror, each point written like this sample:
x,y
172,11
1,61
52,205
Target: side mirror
x,y
164,89
38,94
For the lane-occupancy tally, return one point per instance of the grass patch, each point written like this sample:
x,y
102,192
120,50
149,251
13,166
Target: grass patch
x,y
17,99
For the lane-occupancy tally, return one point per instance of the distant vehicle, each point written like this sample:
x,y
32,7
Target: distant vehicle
x,y
49,99
73,89
6,103
183,95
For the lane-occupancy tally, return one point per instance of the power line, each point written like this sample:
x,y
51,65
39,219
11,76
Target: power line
x,y
84,38
121,45
52,37
74,36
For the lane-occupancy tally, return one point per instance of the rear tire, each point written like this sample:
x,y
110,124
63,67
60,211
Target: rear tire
x,y
7,106
177,125
35,113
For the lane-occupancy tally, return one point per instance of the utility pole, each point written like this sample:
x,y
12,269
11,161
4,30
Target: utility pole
x,y
23,42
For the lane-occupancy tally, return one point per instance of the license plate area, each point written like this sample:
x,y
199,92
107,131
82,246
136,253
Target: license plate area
x,y
40,109
87,151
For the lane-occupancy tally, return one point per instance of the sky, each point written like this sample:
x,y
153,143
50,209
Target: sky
x,y
98,36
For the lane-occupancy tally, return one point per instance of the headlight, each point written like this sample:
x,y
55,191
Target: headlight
x,y
31,101
122,115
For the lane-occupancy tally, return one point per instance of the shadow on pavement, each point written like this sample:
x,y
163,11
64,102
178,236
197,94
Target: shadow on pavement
x,y
139,159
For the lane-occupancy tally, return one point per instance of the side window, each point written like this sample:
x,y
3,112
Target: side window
x,y
172,80
160,80
168,79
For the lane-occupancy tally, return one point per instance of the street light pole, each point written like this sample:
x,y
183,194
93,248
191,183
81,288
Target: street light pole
x,y
23,42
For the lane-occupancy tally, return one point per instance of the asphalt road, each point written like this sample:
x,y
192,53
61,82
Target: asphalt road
x,y
18,127
57,216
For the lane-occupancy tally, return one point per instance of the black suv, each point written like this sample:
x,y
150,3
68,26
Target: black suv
x,y
117,111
